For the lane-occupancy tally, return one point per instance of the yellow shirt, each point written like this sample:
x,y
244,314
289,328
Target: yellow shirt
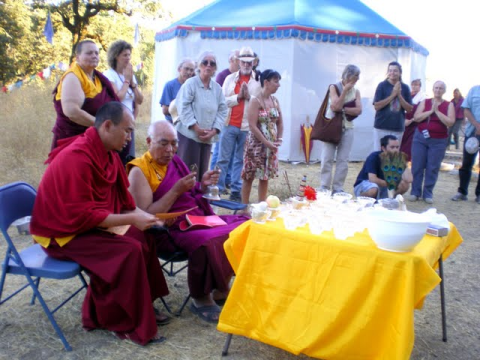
x,y
89,87
153,172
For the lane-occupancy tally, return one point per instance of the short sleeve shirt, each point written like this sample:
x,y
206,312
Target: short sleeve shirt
x,y
170,92
392,116
373,165
472,103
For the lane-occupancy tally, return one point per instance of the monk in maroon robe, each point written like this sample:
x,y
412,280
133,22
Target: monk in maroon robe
x,y
81,213
161,182
79,94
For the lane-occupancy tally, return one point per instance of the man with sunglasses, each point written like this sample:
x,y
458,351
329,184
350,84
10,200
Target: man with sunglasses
x,y
237,88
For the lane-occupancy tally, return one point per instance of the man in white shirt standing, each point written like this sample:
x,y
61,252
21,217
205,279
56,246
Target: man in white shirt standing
x,y
237,88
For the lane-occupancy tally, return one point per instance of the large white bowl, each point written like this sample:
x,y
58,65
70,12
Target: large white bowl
x,y
395,230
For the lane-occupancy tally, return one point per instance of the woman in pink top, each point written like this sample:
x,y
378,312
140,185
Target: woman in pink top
x,y
433,116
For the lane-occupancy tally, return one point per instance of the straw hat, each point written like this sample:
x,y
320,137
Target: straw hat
x,y
246,54
172,109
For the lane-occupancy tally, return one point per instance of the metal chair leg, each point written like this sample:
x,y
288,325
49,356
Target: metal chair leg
x,y
442,299
37,282
179,312
226,345
166,306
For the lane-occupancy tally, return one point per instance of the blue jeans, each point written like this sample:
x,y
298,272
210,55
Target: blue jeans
x,y
231,146
214,160
427,156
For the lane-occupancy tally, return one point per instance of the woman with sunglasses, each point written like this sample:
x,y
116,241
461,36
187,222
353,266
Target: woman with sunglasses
x,y
202,111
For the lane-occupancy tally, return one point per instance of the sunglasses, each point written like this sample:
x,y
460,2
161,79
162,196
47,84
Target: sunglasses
x,y
209,62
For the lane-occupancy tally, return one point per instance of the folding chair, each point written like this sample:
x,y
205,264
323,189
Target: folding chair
x,y
228,204
170,257
16,201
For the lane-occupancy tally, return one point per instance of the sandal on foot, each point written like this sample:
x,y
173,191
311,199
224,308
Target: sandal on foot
x,y
206,313
160,318
157,339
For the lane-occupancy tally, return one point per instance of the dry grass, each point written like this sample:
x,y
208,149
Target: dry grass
x,y
27,117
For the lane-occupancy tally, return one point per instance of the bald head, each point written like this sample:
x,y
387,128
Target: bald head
x,y
162,141
159,127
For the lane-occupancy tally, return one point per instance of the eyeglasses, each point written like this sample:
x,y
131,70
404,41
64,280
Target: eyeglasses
x,y
165,143
209,62
246,63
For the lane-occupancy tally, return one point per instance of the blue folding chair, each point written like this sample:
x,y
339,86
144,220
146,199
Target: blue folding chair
x,y
16,201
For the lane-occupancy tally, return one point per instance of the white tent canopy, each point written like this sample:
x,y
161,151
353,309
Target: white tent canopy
x,y
309,56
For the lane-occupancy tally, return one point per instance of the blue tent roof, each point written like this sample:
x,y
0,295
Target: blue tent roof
x,y
340,21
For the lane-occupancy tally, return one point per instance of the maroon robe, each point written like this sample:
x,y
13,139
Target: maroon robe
x,y
64,127
208,266
83,184
407,137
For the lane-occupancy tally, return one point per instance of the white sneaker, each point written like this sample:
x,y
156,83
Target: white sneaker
x,y
412,197
428,200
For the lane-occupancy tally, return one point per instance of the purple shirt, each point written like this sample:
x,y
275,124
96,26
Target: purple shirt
x,y
458,108
220,79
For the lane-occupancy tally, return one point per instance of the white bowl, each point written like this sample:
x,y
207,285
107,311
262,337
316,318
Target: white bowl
x,y
398,231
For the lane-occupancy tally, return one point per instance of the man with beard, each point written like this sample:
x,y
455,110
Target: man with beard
x,y
237,88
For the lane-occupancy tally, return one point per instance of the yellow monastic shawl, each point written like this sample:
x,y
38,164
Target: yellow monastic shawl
x,y
44,241
153,172
89,88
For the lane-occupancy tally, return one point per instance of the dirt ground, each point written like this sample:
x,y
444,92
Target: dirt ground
x,y
25,332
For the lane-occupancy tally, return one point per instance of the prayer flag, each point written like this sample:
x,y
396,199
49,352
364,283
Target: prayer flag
x,y
136,35
48,30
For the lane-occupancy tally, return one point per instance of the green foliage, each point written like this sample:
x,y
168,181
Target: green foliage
x,y
24,50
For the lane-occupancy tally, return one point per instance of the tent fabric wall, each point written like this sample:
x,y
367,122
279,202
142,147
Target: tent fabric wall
x,y
309,42
307,68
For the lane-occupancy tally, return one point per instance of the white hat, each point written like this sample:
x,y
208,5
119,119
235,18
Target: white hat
x,y
472,145
246,54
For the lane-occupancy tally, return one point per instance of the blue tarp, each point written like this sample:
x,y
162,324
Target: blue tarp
x,y
321,16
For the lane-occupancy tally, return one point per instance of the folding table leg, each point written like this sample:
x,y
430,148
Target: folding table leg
x,y
442,299
227,345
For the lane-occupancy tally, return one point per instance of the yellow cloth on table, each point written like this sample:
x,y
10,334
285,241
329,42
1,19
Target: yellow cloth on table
x,y
90,88
153,172
328,298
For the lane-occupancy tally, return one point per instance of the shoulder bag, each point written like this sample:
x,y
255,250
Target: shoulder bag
x,y
325,129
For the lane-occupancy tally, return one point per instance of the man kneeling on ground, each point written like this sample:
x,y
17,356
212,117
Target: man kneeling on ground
x,y
371,180
82,195
160,182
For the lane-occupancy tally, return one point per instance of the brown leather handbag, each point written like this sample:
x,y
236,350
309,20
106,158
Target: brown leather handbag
x,y
325,129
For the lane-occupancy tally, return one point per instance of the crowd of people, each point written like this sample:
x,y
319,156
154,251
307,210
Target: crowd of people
x,y
96,202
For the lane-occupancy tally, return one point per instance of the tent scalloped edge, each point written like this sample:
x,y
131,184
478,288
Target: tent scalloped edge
x,y
293,31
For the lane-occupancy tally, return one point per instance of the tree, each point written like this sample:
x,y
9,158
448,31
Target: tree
x,y
24,50
77,15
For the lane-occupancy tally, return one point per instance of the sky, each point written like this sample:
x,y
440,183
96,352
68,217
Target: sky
x,y
446,28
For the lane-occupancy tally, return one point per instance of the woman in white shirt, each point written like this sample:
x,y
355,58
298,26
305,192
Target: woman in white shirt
x,y
123,80
345,98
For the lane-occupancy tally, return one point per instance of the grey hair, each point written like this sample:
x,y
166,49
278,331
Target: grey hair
x,y
349,71
159,125
184,61
441,81
202,57
233,54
